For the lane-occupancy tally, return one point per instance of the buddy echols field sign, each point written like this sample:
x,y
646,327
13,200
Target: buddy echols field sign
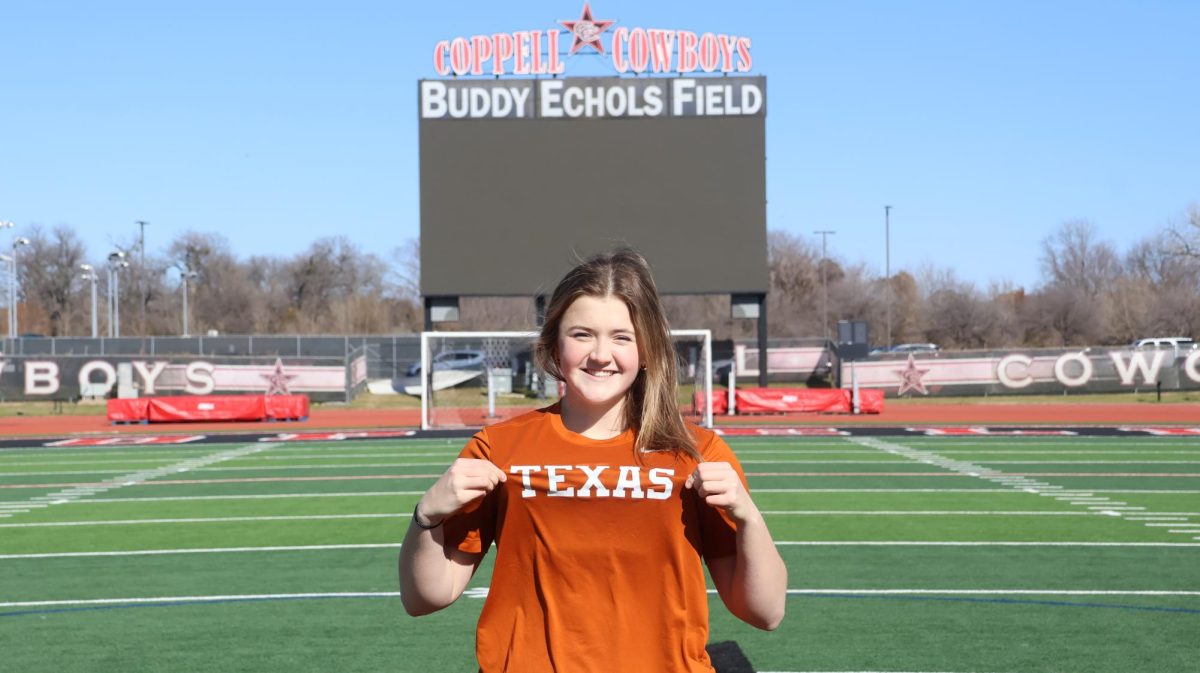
x,y
535,53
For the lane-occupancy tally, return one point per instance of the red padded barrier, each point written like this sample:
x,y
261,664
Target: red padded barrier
x,y
792,400
186,408
207,408
129,411
287,407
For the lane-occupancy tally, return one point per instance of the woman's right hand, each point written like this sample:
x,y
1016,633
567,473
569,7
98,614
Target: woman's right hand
x,y
468,479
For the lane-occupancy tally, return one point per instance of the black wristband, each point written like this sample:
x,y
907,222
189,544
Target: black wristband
x,y
417,520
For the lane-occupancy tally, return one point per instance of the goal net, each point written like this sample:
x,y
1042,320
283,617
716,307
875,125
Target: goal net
x,y
473,379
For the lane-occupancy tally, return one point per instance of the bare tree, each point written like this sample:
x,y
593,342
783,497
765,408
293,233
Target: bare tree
x,y
49,273
793,296
908,319
404,273
1073,258
1184,236
956,313
1064,315
223,296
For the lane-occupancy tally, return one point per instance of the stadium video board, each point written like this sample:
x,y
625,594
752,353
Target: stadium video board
x,y
520,178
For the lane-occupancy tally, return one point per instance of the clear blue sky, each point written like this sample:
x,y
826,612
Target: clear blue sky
x,y
985,124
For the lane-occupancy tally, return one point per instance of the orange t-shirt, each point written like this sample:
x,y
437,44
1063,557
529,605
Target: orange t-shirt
x,y
598,553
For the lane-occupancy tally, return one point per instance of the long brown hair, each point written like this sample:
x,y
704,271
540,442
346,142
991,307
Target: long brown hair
x,y
651,406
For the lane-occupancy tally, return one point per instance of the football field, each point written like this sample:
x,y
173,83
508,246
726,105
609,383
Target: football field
x,y
919,554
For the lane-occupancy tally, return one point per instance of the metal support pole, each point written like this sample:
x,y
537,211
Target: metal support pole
x,y
185,304
824,284
95,321
762,341
12,294
116,303
141,279
13,326
109,296
887,247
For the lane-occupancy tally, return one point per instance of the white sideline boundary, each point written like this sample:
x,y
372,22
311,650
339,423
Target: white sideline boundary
x,y
396,545
247,496
373,494
405,515
482,592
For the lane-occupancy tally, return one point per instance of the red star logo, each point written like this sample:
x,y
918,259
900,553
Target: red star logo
x,y
277,380
910,378
586,30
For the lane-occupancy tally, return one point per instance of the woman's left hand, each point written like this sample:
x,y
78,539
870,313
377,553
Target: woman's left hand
x,y
719,485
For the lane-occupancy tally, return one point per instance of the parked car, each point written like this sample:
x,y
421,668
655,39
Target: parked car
x,y
721,369
1178,346
904,349
461,359
915,348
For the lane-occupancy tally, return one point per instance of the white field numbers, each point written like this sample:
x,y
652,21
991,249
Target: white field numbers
x,y
472,379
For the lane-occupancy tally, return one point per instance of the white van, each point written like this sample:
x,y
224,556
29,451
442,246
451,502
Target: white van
x,y
1178,346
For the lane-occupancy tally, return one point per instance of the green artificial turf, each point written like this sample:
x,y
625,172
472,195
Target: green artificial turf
x,y
852,534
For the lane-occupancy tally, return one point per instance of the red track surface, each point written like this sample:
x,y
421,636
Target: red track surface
x,y
894,414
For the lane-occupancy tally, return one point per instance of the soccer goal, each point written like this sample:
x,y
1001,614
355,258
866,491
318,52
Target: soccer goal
x,y
472,379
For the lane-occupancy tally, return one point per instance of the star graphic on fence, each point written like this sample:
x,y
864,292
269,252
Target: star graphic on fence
x,y
910,378
277,380
586,30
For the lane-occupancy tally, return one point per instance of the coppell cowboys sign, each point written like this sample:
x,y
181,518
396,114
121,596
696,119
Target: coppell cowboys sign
x,y
1092,370
631,50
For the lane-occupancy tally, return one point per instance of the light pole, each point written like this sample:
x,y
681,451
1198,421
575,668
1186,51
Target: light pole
x,y
89,274
887,247
8,324
116,262
5,224
824,284
141,274
12,287
185,275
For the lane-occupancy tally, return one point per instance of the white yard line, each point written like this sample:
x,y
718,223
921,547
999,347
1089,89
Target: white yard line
x,y
1065,452
370,494
256,496
401,515
449,455
222,519
1102,504
329,467
481,592
783,543
1089,462
921,543
134,478
206,550
1123,442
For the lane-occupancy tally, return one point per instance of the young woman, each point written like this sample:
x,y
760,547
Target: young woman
x,y
601,506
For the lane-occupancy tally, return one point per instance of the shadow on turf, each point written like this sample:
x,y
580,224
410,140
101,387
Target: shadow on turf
x,y
727,657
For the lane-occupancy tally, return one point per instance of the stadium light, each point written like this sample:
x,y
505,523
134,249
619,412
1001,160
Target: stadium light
x,y
116,262
12,284
5,224
184,275
89,274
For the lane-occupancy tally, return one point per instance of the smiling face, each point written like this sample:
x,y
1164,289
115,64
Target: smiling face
x,y
598,354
